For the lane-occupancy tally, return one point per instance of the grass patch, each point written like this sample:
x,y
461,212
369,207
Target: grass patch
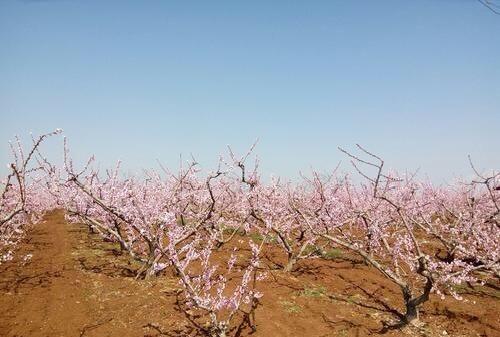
x,y
460,288
354,299
332,254
342,333
313,292
256,237
291,307
230,230
313,250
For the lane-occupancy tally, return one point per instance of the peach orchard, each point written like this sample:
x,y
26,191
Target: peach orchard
x,y
425,239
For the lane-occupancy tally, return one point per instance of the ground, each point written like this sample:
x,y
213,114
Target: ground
x,y
77,285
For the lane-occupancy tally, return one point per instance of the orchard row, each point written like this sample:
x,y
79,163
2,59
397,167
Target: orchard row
x,y
425,239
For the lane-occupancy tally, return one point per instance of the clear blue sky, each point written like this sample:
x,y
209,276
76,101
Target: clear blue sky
x,y
417,82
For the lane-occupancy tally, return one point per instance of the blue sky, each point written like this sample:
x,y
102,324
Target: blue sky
x,y
417,82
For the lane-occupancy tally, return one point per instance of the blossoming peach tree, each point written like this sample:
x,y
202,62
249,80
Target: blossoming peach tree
x,y
172,222
23,198
394,224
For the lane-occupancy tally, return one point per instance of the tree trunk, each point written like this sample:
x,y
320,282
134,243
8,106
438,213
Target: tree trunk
x,y
411,314
412,303
289,265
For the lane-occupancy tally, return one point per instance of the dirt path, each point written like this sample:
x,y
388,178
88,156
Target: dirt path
x,y
49,295
46,296
76,285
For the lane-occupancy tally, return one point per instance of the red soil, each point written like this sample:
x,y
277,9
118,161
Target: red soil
x,y
76,285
